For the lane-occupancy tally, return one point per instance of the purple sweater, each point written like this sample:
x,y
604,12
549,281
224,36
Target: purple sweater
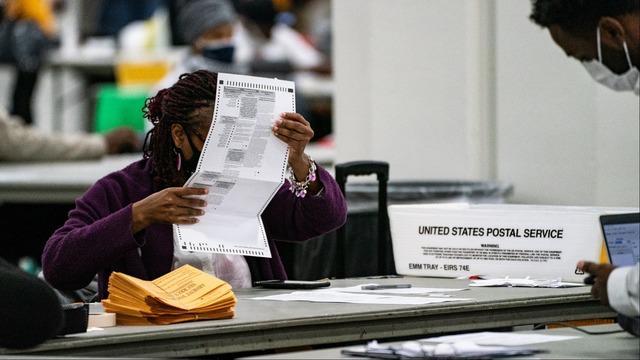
x,y
97,238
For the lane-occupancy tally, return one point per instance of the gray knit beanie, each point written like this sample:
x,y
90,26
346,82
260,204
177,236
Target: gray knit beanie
x,y
197,16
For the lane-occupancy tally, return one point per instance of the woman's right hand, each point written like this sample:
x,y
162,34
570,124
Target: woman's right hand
x,y
168,206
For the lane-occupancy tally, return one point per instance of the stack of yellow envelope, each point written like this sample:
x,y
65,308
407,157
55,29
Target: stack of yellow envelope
x,y
184,294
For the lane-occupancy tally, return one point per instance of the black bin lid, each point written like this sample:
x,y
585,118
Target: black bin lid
x,y
429,191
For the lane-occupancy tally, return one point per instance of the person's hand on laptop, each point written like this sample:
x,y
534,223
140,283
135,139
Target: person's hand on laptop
x,y
600,274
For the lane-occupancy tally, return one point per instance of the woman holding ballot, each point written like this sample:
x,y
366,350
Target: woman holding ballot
x,y
124,222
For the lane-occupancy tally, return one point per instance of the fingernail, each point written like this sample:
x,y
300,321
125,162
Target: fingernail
x,y
283,114
205,204
201,212
275,128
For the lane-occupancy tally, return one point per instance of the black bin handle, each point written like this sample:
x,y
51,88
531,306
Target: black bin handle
x,y
359,168
381,170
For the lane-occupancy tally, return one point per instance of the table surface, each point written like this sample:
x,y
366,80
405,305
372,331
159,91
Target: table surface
x,y
64,181
264,325
621,345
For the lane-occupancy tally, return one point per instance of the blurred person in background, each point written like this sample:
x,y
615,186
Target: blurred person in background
x,y
27,29
214,34
271,45
25,143
314,22
114,15
207,27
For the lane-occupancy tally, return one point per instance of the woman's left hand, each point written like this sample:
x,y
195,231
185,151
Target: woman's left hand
x,y
295,131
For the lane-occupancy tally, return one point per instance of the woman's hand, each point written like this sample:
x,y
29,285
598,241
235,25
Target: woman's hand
x,y
295,131
168,206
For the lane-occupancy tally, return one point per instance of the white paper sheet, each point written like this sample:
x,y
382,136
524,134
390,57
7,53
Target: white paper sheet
x,y
500,338
330,296
526,282
406,291
242,164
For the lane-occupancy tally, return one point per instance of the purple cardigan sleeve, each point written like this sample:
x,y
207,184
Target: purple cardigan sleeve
x,y
295,219
96,235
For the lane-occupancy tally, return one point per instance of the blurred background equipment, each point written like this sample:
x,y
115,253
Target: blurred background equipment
x,y
147,44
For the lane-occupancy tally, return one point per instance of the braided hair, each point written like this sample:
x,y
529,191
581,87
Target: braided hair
x,y
179,104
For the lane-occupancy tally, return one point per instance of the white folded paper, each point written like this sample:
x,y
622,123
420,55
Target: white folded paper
x,y
330,296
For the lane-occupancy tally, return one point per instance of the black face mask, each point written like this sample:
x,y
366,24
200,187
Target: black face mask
x,y
222,53
190,165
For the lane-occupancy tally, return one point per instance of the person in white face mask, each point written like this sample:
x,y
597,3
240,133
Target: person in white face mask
x,y
605,36
627,81
207,26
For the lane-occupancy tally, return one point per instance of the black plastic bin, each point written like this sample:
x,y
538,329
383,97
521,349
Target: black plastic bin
x,y
314,259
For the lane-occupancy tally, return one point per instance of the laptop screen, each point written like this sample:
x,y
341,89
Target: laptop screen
x,y
622,239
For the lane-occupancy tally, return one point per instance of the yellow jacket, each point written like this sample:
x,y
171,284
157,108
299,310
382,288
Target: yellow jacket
x,y
38,11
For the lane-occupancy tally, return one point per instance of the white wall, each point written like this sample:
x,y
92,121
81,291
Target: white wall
x,y
455,89
400,84
617,149
561,138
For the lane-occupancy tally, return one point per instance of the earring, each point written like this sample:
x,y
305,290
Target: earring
x,y
178,158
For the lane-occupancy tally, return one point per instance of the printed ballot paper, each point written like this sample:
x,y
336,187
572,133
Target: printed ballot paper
x,y
185,294
417,350
242,164
544,242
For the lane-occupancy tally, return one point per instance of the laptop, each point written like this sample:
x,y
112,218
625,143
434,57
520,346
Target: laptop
x,y
622,237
